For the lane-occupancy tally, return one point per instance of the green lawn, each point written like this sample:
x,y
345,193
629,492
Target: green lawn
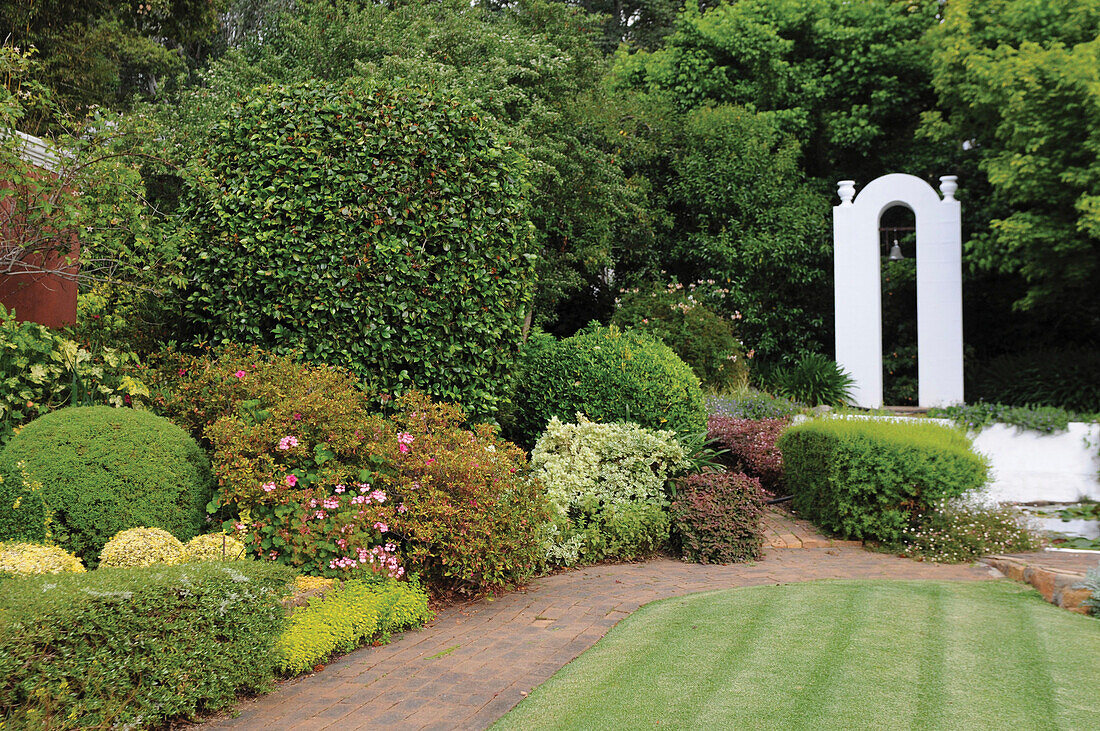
x,y
834,655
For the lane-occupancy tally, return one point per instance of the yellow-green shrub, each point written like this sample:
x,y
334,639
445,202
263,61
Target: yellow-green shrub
x,y
343,619
214,547
141,547
25,559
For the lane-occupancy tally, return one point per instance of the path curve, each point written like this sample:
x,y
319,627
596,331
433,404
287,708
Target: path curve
x,y
474,662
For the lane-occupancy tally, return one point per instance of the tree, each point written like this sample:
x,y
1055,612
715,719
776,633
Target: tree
x,y
1019,95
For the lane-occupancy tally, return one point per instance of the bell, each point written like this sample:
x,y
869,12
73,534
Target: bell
x,y
895,252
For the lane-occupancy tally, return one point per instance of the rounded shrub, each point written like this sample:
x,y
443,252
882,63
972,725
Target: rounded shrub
x,y
214,547
609,375
716,517
374,225
24,559
138,547
703,338
89,472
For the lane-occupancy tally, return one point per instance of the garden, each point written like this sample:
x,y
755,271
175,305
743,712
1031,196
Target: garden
x,y
382,310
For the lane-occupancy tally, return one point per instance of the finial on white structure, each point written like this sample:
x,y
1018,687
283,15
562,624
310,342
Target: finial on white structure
x,y
948,185
846,189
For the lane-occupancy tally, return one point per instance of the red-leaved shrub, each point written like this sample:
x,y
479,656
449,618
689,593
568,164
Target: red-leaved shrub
x,y
751,445
717,517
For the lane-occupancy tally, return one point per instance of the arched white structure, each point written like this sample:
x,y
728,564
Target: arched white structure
x,y
858,285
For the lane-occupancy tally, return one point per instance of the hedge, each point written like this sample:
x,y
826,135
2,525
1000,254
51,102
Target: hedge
x,y
134,648
373,225
872,479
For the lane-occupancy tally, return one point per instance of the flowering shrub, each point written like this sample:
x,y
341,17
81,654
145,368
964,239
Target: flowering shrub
x,y
752,404
751,445
607,485
344,618
141,547
325,486
716,517
24,559
965,529
704,339
608,375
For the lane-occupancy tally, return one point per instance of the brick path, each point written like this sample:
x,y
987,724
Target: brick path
x,y
474,662
783,530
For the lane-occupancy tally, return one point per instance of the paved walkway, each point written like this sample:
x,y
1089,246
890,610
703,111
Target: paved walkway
x,y
474,662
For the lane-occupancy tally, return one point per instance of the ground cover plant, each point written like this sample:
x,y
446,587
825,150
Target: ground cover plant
x,y
976,416
873,479
833,655
80,475
609,375
965,529
182,640
751,403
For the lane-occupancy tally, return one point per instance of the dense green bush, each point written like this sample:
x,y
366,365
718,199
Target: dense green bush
x,y
1065,378
716,517
373,225
1044,419
704,339
873,479
751,446
126,648
607,484
813,380
101,470
343,619
607,374
42,370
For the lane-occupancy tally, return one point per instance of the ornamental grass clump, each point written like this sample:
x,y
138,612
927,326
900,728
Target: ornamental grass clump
x,y
141,547
26,559
607,484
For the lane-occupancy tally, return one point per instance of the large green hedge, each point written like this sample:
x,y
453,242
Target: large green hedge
x,y
374,225
872,479
82,474
607,374
133,648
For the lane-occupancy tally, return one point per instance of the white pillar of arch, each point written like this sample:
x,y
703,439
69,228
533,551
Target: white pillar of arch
x,y
858,285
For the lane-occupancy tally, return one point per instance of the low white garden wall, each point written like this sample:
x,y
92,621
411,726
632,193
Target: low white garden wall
x,y
1028,466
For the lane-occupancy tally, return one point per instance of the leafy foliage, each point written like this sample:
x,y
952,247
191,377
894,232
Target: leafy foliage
x,y
341,620
751,445
813,380
750,403
608,375
716,516
705,340
607,485
214,547
396,248
871,479
25,559
211,623
1043,419
1064,378
102,470
1092,583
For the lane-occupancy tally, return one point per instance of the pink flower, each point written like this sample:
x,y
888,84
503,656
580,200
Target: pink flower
x,y
268,486
381,527
183,372
291,479
405,438
339,488
429,460
297,417
287,442
319,515
401,508
403,447
239,374
378,496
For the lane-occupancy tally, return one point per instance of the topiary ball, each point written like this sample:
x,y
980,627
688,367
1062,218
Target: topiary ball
x,y
25,559
102,470
609,375
141,547
215,547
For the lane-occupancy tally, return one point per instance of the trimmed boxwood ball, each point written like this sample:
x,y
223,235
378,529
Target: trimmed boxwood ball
x,y
103,470
608,375
140,547
26,559
372,225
